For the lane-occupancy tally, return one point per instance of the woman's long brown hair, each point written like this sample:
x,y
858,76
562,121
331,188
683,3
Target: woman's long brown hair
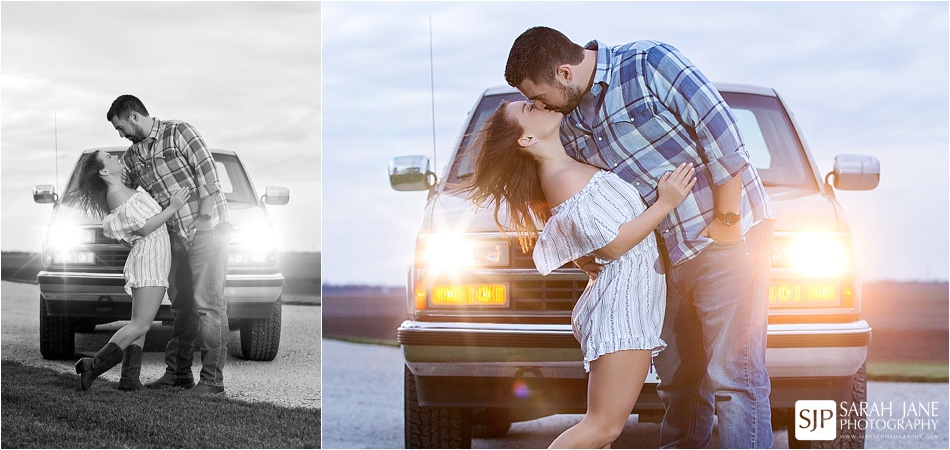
x,y
507,176
88,192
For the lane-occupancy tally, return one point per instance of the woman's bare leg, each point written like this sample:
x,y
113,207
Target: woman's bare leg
x,y
612,390
145,304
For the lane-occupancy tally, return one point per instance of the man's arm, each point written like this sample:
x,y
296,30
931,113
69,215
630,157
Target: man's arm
x,y
199,158
699,106
727,198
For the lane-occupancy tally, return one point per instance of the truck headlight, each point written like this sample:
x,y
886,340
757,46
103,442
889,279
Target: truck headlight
x,y
252,245
66,235
813,254
254,238
447,252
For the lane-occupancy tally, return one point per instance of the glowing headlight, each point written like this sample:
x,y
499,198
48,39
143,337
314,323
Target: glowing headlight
x,y
69,235
814,254
254,238
451,251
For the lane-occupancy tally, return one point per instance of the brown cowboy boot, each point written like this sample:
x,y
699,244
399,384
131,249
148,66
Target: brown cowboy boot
x,y
90,368
131,369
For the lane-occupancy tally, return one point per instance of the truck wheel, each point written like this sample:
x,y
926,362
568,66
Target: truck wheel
x,y
428,427
260,338
57,338
848,437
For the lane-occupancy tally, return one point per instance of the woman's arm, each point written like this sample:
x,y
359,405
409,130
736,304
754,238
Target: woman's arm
x,y
672,190
177,200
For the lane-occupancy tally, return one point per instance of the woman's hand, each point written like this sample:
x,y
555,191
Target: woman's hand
x,y
587,264
179,198
674,186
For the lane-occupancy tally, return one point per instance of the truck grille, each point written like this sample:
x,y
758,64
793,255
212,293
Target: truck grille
x,y
545,295
112,258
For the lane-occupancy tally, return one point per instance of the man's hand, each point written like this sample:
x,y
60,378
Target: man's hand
x,y
720,232
203,225
587,264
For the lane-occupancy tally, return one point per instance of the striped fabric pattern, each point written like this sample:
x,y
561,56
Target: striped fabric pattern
x,y
150,258
653,110
623,308
174,156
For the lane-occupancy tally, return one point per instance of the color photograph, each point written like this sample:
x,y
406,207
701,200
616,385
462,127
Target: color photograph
x,y
442,331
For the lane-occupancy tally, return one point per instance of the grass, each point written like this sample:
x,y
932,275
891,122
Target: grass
x,y
908,371
43,408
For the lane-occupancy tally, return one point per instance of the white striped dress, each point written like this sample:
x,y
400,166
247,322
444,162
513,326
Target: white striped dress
x,y
150,258
623,308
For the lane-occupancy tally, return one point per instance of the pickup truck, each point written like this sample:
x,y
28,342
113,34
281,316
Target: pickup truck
x,y
488,340
81,281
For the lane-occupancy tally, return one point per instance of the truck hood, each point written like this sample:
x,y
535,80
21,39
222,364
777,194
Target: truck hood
x,y
241,214
795,210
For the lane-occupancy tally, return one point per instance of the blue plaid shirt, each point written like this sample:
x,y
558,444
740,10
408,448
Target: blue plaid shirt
x,y
649,110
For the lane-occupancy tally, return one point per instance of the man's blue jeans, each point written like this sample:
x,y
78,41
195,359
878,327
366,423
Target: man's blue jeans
x,y
196,290
716,328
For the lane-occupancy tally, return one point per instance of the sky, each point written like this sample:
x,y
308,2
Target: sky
x,y
861,78
245,74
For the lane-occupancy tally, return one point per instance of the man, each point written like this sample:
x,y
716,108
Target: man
x,y
640,110
166,156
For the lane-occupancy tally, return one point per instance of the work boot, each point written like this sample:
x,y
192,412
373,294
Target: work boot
x,y
90,368
205,389
131,369
170,381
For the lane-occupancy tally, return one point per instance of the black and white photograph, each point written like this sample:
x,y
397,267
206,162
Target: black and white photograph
x,y
161,200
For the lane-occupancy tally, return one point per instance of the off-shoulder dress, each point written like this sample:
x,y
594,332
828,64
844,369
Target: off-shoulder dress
x,y
150,258
623,308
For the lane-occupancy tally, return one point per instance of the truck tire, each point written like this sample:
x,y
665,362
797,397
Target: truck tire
x,y
260,338
846,437
428,427
57,336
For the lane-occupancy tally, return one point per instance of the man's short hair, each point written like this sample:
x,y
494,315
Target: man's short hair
x,y
537,53
124,105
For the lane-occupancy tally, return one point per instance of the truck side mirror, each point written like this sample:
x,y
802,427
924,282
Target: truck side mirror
x,y
855,172
411,173
276,195
45,193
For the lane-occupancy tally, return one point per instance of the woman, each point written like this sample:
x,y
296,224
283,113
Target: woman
x,y
136,218
522,167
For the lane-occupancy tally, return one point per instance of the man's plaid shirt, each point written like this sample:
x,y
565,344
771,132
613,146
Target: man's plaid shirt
x,y
174,157
650,109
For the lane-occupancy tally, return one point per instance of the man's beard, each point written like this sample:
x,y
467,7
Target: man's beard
x,y
572,98
138,136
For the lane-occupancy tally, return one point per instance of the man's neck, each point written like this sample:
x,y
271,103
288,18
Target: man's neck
x,y
587,67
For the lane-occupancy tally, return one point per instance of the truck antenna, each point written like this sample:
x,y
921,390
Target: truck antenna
x,y
56,149
432,93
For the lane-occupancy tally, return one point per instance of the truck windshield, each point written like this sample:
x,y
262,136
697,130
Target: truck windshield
x,y
231,175
774,147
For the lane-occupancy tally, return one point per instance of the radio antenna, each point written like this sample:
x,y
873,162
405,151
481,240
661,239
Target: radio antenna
x,y
432,93
56,149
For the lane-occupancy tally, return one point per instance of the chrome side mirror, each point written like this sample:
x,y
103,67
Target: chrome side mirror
x,y
855,172
411,173
276,195
45,193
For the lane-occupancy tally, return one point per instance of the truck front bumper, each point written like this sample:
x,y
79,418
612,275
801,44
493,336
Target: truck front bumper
x,y
486,365
102,295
